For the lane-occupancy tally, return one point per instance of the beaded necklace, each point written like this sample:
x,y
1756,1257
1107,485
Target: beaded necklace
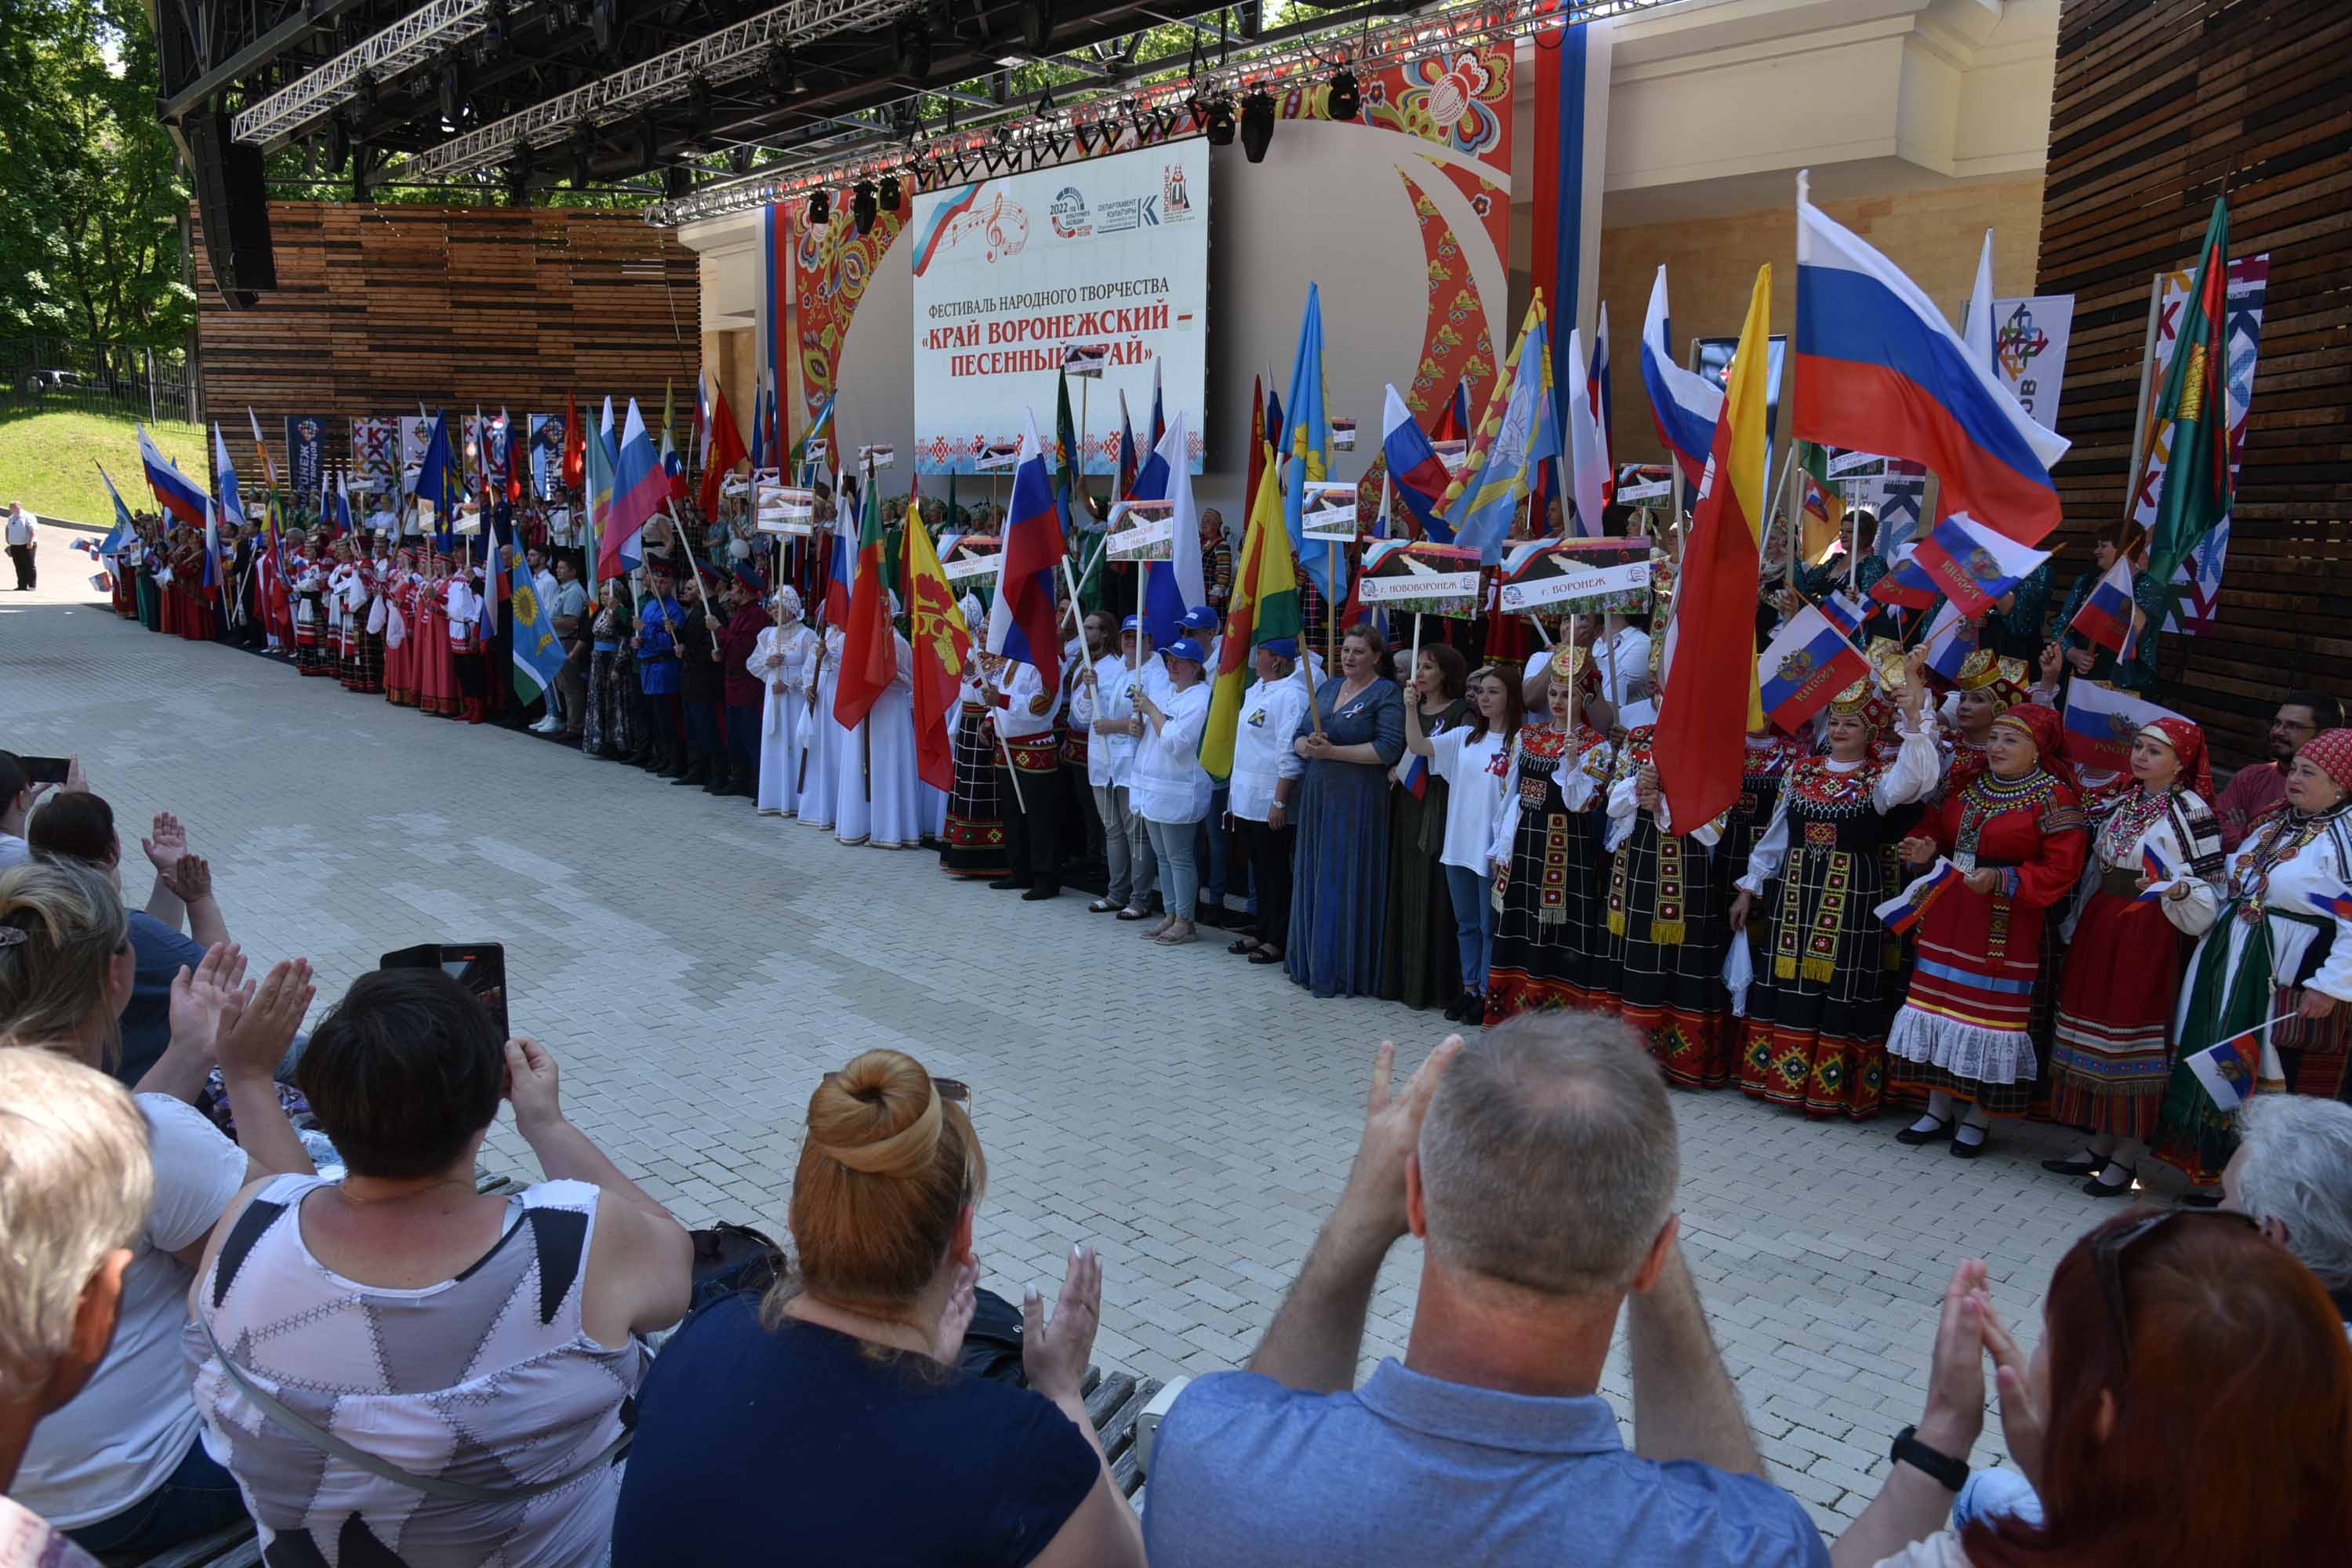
x,y
2133,815
2286,836
1988,795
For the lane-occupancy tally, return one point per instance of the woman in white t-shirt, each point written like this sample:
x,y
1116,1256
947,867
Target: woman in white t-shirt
x,y
119,1467
1170,787
1472,760
1265,771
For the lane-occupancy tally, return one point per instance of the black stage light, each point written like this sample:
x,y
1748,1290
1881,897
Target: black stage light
x,y
820,208
1219,131
915,50
782,76
1345,97
1037,25
891,194
862,206
678,182
1257,124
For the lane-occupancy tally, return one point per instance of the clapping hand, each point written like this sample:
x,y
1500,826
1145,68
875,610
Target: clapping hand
x,y
168,843
955,1320
256,1040
1054,1353
1917,850
1983,881
1374,1195
207,999
2022,1425
193,879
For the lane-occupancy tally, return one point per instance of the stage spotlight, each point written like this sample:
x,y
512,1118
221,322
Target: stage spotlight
x,y
1345,97
1037,25
1257,124
1219,113
678,182
782,76
891,193
915,50
862,207
605,24
451,91
820,208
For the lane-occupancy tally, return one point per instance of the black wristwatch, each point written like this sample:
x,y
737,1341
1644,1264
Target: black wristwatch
x,y
1942,1469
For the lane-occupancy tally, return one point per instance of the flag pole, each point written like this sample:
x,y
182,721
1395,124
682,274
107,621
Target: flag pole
x,y
700,588
865,725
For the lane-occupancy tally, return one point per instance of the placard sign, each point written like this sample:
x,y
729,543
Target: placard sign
x,y
1578,578
1422,579
785,509
875,457
1343,434
998,457
1329,509
1143,531
977,570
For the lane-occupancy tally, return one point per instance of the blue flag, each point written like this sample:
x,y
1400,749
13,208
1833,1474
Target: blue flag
x,y
119,534
1306,437
440,482
538,655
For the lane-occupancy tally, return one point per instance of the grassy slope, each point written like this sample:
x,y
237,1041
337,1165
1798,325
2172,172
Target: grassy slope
x,y
49,461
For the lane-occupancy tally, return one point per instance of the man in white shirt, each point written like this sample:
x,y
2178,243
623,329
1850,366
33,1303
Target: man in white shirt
x,y
1028,722
1623,657
21,546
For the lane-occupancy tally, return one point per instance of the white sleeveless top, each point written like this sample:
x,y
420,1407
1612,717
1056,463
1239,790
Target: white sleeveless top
x,y
488,1379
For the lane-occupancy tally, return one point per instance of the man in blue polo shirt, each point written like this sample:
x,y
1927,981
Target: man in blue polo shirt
x,y
1538,1169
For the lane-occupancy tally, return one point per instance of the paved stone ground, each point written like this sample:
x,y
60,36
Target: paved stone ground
x,y
695,967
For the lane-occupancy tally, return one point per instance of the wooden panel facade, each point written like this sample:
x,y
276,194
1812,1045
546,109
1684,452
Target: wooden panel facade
x,y
2160,106
381,309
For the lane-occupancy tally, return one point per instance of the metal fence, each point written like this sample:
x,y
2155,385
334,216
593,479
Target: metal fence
x,y
118,379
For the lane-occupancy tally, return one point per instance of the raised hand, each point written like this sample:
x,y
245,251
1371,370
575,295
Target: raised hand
x,y
168,842
2023,1427
955,1321
257,1039
1054,1353
1375,1189
206,1000
532,1085
193,879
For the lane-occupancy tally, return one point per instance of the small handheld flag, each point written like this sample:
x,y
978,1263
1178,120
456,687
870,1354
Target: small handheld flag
x,y
2159,874
2107,615
2337,904
1807,664
1908,907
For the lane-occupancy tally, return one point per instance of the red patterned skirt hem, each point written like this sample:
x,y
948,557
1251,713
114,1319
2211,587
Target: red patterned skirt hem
x,y
1819,1074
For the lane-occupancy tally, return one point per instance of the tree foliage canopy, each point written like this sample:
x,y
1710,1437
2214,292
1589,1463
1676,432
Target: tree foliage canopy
x,y
89,181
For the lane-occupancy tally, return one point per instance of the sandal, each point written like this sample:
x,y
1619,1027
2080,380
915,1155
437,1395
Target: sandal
x,y
1103,907
1132,913
1243,948
1268,953
1177,933
1156,932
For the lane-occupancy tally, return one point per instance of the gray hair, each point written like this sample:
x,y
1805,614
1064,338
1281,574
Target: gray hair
x,y
2297,1168
74,1184
1548,1157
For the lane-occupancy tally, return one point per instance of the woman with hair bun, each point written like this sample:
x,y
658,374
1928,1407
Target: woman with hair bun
x,y
827,1422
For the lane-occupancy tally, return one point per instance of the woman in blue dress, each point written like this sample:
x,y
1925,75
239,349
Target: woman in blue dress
x,y
1338,914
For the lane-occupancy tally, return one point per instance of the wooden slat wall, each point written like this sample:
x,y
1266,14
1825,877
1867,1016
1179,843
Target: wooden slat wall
x,y
382,308
2160,105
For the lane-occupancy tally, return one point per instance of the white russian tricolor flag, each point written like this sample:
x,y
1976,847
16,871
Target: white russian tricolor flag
x,y
1684,404
1973,565
1587,452
1878,369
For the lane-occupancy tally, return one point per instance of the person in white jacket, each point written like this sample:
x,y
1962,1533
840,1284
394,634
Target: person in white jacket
x,y
780,662
1266,769
1103,707
1172,787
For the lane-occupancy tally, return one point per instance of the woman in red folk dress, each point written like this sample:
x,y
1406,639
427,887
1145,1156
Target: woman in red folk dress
x,y
398,587
2134,922
2016,837
437,672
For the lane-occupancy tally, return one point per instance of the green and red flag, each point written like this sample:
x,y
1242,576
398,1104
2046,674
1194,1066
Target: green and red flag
x,y
869,655
1265,606
2196,486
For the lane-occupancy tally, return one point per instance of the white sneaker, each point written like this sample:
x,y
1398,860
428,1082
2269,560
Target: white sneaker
x,y
547,726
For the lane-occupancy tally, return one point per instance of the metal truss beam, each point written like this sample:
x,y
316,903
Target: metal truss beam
x,y
417,38
726,56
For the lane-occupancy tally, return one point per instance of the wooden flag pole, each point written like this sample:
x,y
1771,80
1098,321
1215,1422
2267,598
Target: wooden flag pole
x,y
677,530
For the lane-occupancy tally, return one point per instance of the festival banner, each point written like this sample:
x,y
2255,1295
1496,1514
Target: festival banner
x,y
472,428
2028,351
1012,271
305,456
2198,582
373,448
1417,579
547,453
498,452
416,434
1578,578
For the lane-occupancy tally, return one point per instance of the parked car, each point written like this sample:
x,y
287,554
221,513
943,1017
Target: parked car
x,y
36,382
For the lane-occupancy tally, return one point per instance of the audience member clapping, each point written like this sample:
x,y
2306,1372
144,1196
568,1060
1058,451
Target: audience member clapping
x,y
1538,1169
120,1467
75,1189
2293,1176
407,1364
80,826
827,1422
2190,1404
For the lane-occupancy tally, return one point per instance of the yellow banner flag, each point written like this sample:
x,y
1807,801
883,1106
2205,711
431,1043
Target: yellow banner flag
x,y
1264,606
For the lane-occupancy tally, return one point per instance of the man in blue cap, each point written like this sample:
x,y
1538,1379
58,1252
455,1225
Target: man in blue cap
x,y
1203,625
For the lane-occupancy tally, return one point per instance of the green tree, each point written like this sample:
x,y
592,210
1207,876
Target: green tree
x,y
91,181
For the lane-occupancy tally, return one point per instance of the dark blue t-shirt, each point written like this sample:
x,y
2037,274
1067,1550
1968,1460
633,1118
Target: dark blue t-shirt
x,y
798,1445
158,950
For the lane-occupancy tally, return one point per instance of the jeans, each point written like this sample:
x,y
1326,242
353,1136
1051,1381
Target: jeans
x,y
1172,841
1110,804
194,1499
572,693
1143,866
1213,828
1474,924
703,732
743,742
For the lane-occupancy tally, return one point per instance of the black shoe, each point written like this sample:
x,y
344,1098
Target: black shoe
x,y
1009,884
1913,1137
1039,895
2099,1189
2195,1200
1963,1150
2091,1167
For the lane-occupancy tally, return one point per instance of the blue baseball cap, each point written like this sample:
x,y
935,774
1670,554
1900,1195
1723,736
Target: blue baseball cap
x,y
1281,647
1185,648
1200,618
1130,625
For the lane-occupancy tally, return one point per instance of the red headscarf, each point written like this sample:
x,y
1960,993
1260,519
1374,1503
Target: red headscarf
x,y
2187,743
2330,752
2048,732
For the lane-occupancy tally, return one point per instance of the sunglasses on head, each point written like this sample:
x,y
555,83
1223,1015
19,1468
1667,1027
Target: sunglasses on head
x,y
945,1087
2109,1246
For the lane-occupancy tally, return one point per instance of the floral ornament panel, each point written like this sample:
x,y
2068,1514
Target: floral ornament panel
x,y
1455,342
831,264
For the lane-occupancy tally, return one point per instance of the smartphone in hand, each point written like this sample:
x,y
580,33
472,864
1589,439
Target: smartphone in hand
x,y
479,966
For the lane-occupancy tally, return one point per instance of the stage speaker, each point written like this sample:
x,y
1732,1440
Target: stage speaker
x,y
234,204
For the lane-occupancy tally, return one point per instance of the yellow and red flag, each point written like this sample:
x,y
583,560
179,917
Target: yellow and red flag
x,y
941,644
1710,701
1265,606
